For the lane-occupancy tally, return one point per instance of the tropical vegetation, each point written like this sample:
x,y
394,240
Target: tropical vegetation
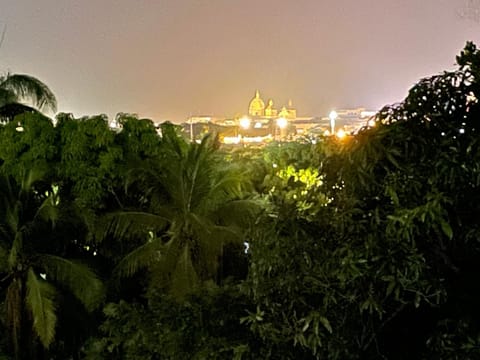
x,y
134,243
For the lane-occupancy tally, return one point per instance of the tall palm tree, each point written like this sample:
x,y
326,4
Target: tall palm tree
x,y
194,209
29,274
24,93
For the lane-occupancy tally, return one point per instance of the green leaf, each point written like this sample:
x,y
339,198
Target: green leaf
x,y
391,286
447,229
78,278
140,258
326,323
40,300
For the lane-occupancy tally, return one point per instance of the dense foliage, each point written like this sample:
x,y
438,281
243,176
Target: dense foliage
x,y
133,243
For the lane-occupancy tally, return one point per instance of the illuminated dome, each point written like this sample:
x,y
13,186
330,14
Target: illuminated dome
x,y
257,106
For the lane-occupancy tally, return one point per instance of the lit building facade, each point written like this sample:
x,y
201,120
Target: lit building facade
x,y
264,122
257,108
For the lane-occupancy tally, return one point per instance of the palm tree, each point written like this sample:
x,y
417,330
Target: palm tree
x,y
24,93
194,209
28,273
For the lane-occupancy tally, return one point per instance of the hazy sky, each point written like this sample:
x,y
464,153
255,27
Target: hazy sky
x,y
167,59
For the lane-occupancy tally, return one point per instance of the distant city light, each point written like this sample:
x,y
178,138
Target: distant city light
x,y
254,139
231,139
113,124
333,116
282,123
245,122
341,134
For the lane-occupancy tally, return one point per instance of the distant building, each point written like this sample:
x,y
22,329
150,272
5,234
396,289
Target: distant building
x,y
265,122
351,120
257,108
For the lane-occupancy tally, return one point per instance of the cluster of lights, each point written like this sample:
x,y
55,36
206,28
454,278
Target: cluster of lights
x,y
339,134
282,123
246,122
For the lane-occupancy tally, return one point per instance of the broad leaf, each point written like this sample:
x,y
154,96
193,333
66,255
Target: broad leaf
x,y
40,300
78,278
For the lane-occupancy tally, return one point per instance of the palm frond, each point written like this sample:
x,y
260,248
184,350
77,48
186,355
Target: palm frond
x,y
15,250
128,224
184,278
229,183
78,278
40,300
238,212
29,178
140,258
48,210
29,88
160,272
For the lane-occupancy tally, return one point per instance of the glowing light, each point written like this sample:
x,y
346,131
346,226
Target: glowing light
x,y
341,134
245,122
231,139
258,125
371,123
333,116
282,123
254,139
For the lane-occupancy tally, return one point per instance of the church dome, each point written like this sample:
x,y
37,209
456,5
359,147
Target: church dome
x,y
257,106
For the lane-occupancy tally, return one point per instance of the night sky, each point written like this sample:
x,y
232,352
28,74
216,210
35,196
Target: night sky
x,y
169,59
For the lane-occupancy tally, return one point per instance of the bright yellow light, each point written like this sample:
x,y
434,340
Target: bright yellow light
x,y
231,140
282,123
371,123
253,139
333,115
245,122
341,134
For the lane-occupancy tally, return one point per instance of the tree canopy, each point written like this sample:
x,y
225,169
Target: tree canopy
x,y
134,243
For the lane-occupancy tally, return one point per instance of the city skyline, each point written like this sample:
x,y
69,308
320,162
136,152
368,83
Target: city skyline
x,y
168,60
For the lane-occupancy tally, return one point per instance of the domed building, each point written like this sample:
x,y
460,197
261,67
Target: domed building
x,y
257,108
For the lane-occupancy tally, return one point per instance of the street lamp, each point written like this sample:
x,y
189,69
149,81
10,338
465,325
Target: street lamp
x,y
333,116
282,123
245,125
341,134
245,122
